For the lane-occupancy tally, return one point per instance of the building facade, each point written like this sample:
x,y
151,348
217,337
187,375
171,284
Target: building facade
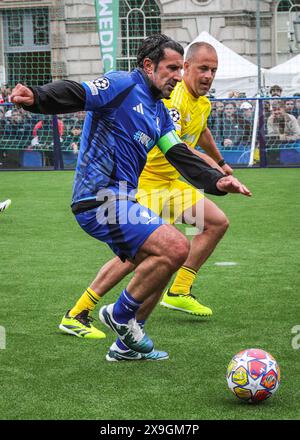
x,y
51,39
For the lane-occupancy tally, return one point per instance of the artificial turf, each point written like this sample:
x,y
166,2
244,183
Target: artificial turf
x,y
47,261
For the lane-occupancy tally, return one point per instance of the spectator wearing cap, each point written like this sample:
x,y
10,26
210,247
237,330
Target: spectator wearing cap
x,y
235,129
276,91
247,111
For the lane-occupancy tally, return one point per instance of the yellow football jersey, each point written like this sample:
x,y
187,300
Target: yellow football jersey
x,y
189,115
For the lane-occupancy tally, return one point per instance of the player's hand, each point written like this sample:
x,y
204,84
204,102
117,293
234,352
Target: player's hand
x,y
227,169
230,184
22,95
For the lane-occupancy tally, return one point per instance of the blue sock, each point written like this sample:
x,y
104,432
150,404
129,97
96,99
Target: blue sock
x,y
125,308
120,343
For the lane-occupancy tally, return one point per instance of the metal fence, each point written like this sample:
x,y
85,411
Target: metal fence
x,y
38,141
260,131
248,131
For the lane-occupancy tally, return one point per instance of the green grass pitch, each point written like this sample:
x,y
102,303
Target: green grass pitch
x,y
47,261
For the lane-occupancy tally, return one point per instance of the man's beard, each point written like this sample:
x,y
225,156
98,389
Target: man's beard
x,y
156,92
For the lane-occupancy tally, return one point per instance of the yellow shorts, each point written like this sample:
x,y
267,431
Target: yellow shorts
x,y
167,198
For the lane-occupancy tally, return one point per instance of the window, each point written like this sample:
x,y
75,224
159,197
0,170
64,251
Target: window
x,y
284,5
15,30
287,12
26,30
138,19
40,26
27,55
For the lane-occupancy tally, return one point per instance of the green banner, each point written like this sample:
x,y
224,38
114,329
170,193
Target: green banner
x,y
107,15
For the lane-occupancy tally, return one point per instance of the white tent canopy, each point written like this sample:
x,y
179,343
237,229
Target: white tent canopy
x,y
286,75
234,71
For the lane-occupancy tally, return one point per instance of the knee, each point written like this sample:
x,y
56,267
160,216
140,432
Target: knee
x,y
172,247
179,251
223,224
219,225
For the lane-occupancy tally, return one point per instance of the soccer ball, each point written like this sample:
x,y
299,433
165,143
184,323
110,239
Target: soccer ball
x,y
253,375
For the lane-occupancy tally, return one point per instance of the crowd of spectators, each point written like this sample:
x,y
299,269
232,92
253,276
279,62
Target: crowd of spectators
x,y
21,130
282,117
283,125
231,123
231,120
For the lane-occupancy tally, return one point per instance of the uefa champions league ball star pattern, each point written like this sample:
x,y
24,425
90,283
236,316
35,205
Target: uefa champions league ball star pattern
x,y
175,115
101,83
253,375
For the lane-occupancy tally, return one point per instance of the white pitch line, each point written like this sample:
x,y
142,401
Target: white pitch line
x,y
226,263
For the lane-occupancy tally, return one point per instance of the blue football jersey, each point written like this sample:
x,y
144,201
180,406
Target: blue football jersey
x,y
123,123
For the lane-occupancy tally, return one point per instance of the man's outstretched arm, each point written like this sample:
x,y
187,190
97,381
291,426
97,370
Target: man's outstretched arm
x,y
50,99
196,171
208,144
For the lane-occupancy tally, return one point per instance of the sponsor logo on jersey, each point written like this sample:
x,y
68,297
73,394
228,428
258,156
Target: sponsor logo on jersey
x,y
139,108
144,139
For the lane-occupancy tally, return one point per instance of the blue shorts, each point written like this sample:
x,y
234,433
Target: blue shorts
x,y
123,224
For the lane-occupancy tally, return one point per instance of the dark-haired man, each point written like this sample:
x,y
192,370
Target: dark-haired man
x,y
125,119
161,190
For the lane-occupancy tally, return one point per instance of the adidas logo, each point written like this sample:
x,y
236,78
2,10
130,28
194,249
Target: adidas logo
x,y
139,108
